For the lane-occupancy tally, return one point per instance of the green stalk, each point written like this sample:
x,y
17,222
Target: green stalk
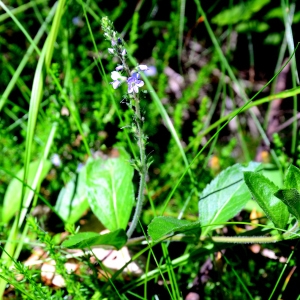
x,y
142,164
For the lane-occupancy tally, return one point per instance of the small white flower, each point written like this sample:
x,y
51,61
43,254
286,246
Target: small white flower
x,y
117,79
124,52
55,159
115,75
111,50
142,67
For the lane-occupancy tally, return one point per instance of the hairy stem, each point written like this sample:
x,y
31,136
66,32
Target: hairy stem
x,y
142,165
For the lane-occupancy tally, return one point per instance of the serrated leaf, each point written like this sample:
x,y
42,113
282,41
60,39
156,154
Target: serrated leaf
x,y
292,178
162,226
12,197
225,196
71,203
117,239
110,190
263,190
291,198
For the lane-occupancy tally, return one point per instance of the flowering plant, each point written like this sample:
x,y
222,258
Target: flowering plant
x,y
132,77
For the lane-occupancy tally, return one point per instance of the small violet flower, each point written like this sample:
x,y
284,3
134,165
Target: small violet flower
x,y
117,79
134,83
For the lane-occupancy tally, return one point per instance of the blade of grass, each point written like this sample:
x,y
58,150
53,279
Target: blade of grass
x,y
26,57
180,34
295,79
166,119
282,272
239,279
4,7
54,31
21,9
282,95
36,96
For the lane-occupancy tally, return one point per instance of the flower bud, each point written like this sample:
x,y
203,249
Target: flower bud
x,y
119,68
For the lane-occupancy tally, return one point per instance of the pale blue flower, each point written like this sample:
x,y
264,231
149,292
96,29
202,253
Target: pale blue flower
x,y
151,71
134,83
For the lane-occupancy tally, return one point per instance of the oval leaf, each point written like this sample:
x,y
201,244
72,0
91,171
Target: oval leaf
x,y
225,196
13,194
292,178
83,240
110,190
263,190
162,226
292,199
72,200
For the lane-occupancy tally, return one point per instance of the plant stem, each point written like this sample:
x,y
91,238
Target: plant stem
x,y
142,165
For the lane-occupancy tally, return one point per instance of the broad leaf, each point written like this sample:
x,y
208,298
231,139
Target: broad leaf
x,y
13,194
71,203
292,178
110,190
263,190
82,240
162,226
225,196
291,198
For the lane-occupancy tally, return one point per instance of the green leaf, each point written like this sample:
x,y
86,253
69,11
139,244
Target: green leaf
x,y
238,13
274,13
117,239
12,197
291,198
273,174
162,226
110,189
253,26
225,196
273,39
292,178
72,200
263,190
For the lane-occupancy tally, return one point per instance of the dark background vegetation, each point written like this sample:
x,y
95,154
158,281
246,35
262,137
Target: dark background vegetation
x,y
155,44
